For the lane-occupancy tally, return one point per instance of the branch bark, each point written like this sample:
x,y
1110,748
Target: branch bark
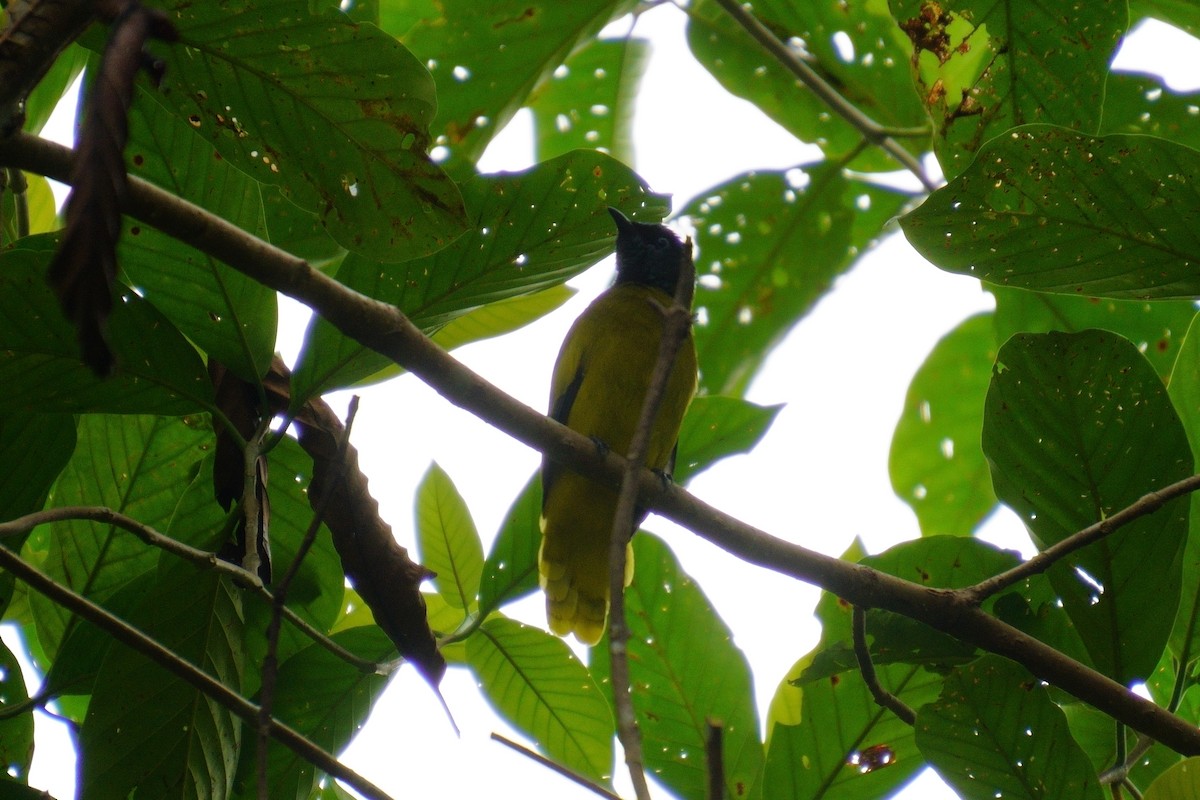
x,y
384,329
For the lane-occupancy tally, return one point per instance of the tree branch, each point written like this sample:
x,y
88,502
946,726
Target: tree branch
x,y
677,321
1142,507
37,31
863,653
875,133
384,329
140,642
203,558
559,768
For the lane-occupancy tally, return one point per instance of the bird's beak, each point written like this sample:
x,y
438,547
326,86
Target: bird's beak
x,y
624,225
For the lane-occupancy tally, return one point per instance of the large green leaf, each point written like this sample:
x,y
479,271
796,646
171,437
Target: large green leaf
x,y
1049,209
589,100
855,46
1156,328
230,316
324,698
830,740
335,114
148,731
685,670
535,682
1077,427
447,540
562,229
984,67
157,371
770,246
487,59
936,464
52,88
994,732
510,570
131,464
1180,13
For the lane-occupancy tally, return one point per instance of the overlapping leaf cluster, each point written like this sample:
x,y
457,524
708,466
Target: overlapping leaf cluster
x,y
350,137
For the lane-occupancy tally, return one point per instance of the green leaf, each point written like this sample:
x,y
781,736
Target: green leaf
x,y
983,69
563,230
53,86
941,562
935,463
1185,396
335,114
511,571
488,58
325,699
717,427
16,730
771,244
838,744
995,732
534,681
1180,782
130,464
230,316
149,731
447,539
686,670
158,371
1048,209
1077,427
588,102
1155,328
1180,13
1141,103
869,70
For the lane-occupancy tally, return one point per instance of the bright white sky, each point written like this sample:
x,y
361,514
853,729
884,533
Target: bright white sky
x,y
819,478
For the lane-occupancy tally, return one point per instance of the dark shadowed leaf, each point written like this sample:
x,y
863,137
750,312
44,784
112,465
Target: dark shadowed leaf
x,y
717,427
1077,427
995,733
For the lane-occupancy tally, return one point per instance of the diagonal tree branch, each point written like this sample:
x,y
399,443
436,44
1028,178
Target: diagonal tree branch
x,y
133,638
384,329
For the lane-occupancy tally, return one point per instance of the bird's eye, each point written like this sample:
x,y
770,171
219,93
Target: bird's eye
x,y
661,243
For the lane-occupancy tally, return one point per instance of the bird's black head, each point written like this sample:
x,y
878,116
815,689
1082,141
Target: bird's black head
x,y
646,253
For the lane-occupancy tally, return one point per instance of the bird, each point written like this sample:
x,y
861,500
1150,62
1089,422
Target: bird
x,y
599,385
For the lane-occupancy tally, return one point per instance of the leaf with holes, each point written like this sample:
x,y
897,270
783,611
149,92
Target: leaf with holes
x,y
1077,427
335,114
935,463
1056,211
995,732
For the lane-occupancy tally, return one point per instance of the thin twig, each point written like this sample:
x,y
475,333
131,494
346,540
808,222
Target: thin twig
x,y
384,329
1145,505
714,759
559,768
872,130
203,558
270,667
863,653
205,683
676,324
